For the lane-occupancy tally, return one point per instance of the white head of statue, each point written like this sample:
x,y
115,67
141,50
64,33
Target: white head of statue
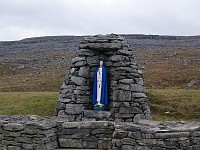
x,y
101,63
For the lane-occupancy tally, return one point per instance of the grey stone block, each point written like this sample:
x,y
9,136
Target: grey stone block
x,y
128,147
125,52
13,148
105,143
90,145
73,109
78,80
128,141
139,95
60,106
116,143
93,60
130,110
80,63
101,46
120,95
71,143
124,87
126,81
97,114
84,72
13,127
77,59
137,88
85,52
119,134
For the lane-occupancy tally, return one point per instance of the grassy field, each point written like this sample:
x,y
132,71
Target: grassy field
x,y
174,104
166,104
24,103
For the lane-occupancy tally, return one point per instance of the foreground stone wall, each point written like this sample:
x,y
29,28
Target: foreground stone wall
x,y
38,133
90,134
151,135
27,132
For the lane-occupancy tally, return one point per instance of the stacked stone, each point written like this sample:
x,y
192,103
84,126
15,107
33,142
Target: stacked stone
x,y
90,134
27,132
127,99
156,136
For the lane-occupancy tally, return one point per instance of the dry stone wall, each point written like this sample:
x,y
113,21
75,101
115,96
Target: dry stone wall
x,y
90,134
28,133
38,133
127,99
151,135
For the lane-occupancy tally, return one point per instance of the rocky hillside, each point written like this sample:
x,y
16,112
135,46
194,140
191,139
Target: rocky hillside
x,y
39,64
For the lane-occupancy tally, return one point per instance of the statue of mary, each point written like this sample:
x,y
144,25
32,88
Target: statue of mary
x,y
100,86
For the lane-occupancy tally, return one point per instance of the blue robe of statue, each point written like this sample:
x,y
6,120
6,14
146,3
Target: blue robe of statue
x,y
104,89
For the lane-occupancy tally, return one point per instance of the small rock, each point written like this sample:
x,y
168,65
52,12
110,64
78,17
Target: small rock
x,y
193,82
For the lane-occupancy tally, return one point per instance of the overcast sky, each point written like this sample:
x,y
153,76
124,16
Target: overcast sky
x,y
29,18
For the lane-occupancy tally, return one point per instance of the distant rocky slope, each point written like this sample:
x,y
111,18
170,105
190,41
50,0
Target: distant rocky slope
x,y
40,63
72,42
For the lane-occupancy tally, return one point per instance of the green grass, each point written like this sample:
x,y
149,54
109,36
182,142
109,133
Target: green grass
x,y
166,104
24,103
174,104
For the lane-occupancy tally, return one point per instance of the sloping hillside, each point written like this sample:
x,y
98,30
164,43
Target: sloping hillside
x,y
39,64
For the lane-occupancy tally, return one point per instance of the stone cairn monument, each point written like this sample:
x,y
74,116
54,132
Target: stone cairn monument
x,y
127,99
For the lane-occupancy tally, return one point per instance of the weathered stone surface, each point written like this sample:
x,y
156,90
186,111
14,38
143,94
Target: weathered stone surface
x,y
116,143
120,95
139,81
119,134
116,58
14,148
126,81
60,106
88,124
125,52
130,110
78,80
93,60
139,95
137,88
124,87
13,127
73,108
80,63
128,141
171,135
28,132
105,143
121,63
77,59
97,114
90,145
73,131
43,133
103,38
85,52
101,46
70,143
84,72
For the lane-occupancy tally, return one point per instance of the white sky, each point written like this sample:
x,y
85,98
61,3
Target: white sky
x,y
29,18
